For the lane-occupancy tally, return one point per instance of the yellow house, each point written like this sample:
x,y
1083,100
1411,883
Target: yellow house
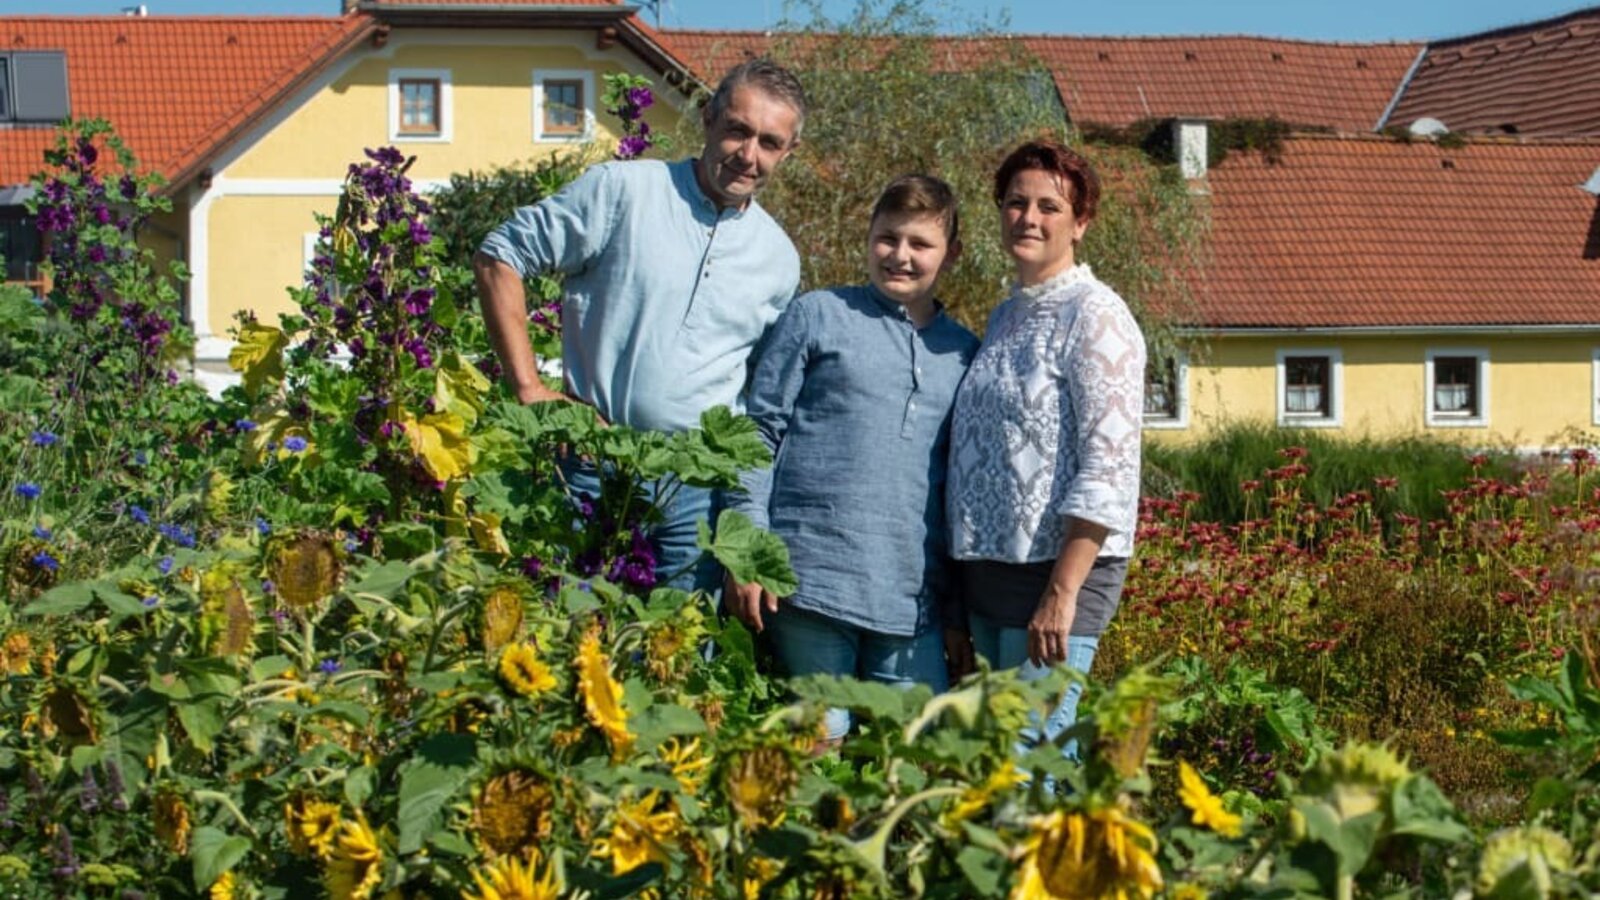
x,y
1380,287
259,118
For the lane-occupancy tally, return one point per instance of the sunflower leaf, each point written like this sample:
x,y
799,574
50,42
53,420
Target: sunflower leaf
x,y
442,765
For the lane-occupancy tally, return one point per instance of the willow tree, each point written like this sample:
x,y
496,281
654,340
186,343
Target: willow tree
x,y
890,94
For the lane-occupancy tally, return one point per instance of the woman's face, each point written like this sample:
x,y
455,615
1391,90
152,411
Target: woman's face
x,y
1038,226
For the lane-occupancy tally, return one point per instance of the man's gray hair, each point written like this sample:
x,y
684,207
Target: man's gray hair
x,y
767,76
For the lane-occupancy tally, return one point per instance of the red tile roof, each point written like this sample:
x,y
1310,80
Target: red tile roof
x,y
1117,81
1373,232
1542,78
174,87
486,4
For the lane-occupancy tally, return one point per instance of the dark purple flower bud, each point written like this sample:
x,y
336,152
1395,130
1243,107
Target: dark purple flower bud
x,y
128,187
89,796
418,302
102,214
420,233
532,566
87,151
632,146
640,97
97,254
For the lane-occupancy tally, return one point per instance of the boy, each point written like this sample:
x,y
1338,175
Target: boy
x,y
852,393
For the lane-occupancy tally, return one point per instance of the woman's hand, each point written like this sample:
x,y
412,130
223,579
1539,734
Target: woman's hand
x,y
746,602
1049,627
958,655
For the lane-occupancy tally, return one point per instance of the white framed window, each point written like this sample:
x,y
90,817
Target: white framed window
x,y
563,105
1166,392
419,106
1594,398
308,251
1456,387
1311,388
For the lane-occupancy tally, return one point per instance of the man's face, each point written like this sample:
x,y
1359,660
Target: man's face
x,y
753,134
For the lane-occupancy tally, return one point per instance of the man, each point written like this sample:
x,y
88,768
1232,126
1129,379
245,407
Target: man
x,y
673,274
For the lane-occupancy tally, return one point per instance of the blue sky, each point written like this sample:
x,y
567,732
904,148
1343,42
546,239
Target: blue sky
x,y
1360,20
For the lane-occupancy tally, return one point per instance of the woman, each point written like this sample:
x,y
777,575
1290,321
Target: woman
x,y
1044,447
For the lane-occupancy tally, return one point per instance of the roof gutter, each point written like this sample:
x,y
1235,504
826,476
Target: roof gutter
x,y
1400,91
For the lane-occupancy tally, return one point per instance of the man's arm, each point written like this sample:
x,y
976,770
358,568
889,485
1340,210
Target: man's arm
x,y
505,315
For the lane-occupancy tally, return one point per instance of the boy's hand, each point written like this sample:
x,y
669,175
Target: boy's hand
x,y
746,601
958,655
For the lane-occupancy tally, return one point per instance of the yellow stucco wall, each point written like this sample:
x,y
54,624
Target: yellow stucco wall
x,y
490,111
1539,385
257,252
263,197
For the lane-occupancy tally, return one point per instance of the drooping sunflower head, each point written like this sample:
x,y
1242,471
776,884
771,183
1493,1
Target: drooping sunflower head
x,y
1520,862
757,783
502,616
312,825
305,566
1126,720
227,621
602,694
69,712
509,878
512,811
1356,779
173,825
1087,855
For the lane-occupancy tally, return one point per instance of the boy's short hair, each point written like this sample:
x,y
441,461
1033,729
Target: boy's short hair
x,y
921,195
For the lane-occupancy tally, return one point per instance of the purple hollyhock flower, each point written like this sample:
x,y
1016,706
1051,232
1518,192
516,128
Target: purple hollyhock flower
x,y
419,351
532,566
27,490
87,151
128,187
632,146
97,254
418,302
420,233
640,97
102,214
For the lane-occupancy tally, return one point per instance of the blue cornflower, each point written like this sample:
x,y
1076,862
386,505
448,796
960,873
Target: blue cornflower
x,y
177,534
584,586
151,601
28,490
44,439
263,527
44,560
351,545
137,513
294,444
42,533
245,425
329,666
141,458
164,565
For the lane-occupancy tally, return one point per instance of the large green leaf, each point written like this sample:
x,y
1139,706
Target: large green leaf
x,y
213,852
750,554
62,600
736,437
427,782
660,721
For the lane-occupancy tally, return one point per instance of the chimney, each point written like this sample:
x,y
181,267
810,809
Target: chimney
x,y
1593,184
1189,139
137,12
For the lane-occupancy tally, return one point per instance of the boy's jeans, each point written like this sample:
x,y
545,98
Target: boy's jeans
x,y
1007,648
807,643
674,536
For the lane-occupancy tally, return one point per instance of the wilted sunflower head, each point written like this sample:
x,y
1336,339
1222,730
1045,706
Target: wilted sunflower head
x,y
172,823
24,570
512,812
1087,855
1520,862
68,713
227,621
1126,718
758,782
1356,779
305,566
502,616
16,654
312,825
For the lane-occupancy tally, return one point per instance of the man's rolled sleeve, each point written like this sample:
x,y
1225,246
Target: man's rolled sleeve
x,y
562,232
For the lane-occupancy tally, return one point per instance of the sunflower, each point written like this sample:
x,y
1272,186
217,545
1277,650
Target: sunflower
x,y
507,878
355,865
976,797
602,695
16,655
522,670
69,713
758,871
758,783
225,887
172,822
312,825
1206,806
686,763
502,617
304,567
1087,856
639,835
513,812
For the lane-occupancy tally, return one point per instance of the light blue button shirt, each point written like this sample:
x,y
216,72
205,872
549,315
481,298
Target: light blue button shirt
x,y
666,296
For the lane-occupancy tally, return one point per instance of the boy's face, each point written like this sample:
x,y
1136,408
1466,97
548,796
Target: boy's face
x,y
906,253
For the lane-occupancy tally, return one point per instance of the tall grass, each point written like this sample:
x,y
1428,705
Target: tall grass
x,y
1216,467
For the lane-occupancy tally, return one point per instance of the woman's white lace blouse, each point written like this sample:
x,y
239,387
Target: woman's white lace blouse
x,y
1047,424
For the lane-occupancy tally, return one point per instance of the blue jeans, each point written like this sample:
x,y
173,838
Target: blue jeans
x,y
1006,648
679,563
808,643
